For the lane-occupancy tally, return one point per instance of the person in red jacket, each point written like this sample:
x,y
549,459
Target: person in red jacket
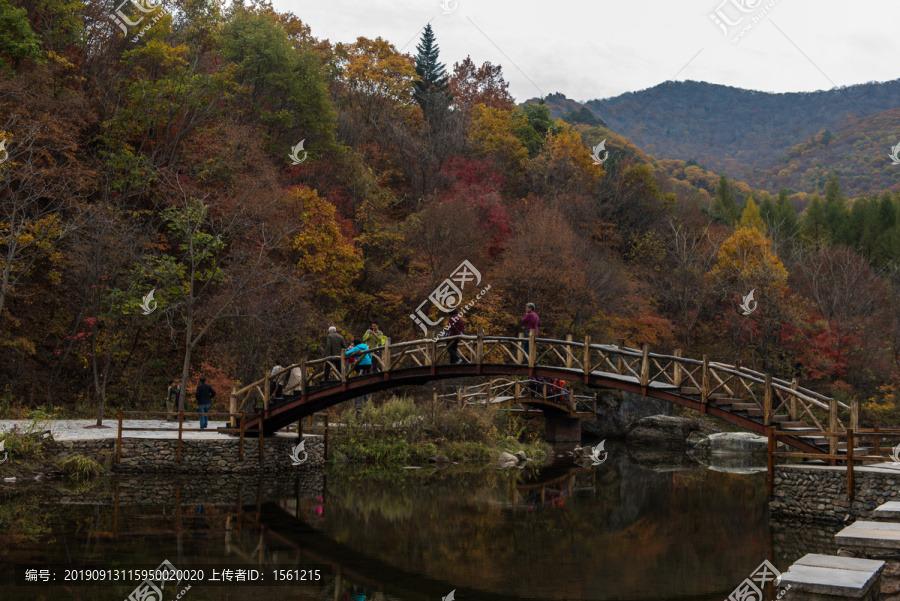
x,y
531,321
457,326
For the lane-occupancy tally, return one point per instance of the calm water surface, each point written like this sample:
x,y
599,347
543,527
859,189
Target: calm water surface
x,y
636,527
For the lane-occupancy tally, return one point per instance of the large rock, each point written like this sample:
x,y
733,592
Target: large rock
x,y
666,431
507,460
617,410
733,443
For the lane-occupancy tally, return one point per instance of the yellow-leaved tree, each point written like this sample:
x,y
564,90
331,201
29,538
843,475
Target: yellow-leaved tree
x,y
326,257
750,216
747,260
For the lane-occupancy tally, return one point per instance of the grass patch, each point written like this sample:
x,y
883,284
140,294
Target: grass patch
x,y
402,432
81,468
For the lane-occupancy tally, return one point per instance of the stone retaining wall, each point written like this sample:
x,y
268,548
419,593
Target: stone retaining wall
x,y
143,455
819,493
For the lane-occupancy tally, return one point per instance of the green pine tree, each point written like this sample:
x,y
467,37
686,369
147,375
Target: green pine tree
x,y
836,213
432,85
815,224
785,215
723,205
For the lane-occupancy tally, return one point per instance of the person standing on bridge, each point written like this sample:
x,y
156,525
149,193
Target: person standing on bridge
x,y
278,381
456,327
363,366
204,395
374,338
334,346
530,321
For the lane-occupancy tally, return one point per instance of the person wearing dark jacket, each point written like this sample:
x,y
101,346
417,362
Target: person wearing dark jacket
x,y
334,347
456,326
204,395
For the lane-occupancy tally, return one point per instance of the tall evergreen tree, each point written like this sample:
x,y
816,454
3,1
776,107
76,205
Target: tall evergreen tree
x,y
785,215
431,87
836,213
815,224
723,205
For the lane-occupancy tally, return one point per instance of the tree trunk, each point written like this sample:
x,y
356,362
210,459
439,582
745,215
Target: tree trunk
x,y
186,366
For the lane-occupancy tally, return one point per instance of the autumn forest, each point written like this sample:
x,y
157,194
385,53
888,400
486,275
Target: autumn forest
x,y
174,163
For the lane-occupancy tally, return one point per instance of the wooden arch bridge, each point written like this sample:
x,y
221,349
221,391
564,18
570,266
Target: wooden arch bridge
x,y
749,399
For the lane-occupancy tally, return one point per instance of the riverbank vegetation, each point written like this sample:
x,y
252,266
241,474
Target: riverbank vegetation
x,y
208,191
401,432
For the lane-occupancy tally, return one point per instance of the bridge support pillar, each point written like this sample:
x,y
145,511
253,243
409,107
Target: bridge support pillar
x,y
561,428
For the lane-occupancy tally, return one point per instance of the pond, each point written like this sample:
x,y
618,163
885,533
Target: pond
x,y
638,526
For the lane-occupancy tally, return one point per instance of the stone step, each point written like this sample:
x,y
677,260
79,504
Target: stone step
x,y
887,512
816,576
870,537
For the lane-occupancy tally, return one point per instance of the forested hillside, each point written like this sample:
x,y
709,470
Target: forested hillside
x,y
171,160
771,141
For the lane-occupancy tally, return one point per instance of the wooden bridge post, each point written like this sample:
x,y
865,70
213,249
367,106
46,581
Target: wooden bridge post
x,y
704,384
570,360
303,377
386,357
586,358
767,401
487,403
532,351
232,406
459,398
520,354
267,385
645,367
850,483
676,377
795,384
517,391
770,460
832,428
343,367
621,362
479,350
854,414
545,390
432,354
736,382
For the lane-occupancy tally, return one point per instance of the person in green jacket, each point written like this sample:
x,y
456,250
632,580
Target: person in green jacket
x,y
374,337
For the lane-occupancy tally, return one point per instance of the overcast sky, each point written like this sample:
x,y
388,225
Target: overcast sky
x,y
598,49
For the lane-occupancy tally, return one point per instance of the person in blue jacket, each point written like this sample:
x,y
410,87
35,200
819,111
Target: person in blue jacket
x,y
363,363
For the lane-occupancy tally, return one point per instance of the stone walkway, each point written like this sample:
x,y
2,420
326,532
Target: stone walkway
x,y
76,429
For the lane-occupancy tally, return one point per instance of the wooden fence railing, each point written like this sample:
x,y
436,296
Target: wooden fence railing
x,y
850,457
768,396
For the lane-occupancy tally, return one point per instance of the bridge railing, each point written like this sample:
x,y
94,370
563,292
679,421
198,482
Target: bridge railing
x,y
757,392
515,391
